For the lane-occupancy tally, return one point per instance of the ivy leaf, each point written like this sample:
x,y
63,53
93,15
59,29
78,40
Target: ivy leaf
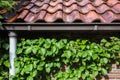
x,y
84,63
48,78
49,53
34,73
95,73
95,56
1,61
19,50
28,50
82,47
76,60
1,78
90,78
104,60
65,61
84,54
86,72
35,50
41,41
54,48
1,17
42,63
106,55
82,68
42,51
84,41
103,40
30,78
6,46
28,68
108,44
116,47
57,65
47,69
7,64
35,63
104,71
66,54
60,44
73,50
42,57
47,43
83,76
80,53
40,66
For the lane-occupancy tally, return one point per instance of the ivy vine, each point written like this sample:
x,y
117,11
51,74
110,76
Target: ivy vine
x,y
51,59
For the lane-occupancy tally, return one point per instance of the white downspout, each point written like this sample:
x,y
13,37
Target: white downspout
x,y
12,52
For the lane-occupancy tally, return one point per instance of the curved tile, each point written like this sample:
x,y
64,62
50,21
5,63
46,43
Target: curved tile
x,y
34,9
29,6
116,8
53,17
37,9
54,3
112,2
40,16
90,17
84,2
108,17
70,8
98,2
40,3
53,9
26,3
80,3
33,1
23,14
75,15
87,8
102,8
69,2
118,17
30,17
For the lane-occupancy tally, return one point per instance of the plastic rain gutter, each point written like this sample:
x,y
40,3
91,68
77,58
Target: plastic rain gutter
x,y
61,26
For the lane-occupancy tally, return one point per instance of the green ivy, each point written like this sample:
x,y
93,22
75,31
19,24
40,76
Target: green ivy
x,y
7,4
47,59
4,60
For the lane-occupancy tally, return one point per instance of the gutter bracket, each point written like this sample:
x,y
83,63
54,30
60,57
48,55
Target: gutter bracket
x,y
29,28
95,28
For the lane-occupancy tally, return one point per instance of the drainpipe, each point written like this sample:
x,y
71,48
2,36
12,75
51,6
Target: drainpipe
x,y
12,52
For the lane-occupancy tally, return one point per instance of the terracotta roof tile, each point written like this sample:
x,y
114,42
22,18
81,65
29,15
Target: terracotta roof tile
x,y
23,14
113,2
74,15
86,11
54,16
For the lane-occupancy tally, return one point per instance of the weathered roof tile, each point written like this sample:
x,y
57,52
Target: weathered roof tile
x,y
86,11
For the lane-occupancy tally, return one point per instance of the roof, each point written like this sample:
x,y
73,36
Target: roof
x,y
69,11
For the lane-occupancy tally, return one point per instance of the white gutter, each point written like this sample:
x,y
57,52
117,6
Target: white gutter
x,y
12,52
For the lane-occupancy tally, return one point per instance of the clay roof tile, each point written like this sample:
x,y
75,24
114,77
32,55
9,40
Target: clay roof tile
x,y
86,11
